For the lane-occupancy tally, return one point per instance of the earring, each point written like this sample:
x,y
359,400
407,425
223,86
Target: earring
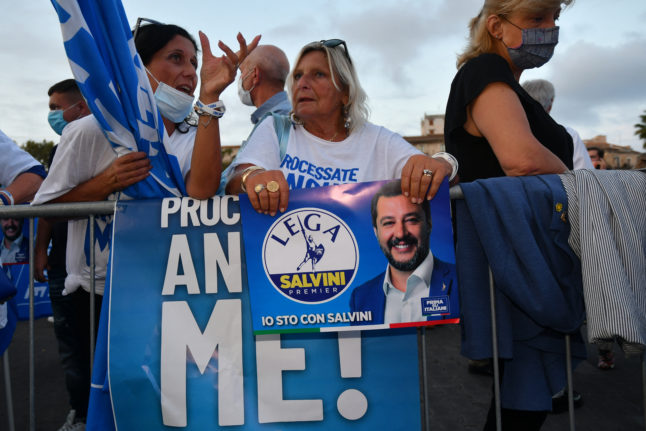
x,y
346,117
294,119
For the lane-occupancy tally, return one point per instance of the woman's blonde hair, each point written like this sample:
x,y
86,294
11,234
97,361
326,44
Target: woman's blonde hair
x,y
480,41
340,66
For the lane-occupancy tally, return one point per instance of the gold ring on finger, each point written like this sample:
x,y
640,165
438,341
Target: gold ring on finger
x,y
259,188
427,173
273,186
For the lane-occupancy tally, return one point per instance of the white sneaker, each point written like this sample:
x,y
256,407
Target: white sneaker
x,y
71,424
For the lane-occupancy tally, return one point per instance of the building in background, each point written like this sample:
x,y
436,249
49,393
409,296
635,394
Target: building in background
x,y
617,156
431,141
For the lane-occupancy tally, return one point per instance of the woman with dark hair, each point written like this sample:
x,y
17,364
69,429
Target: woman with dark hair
x,y
169,55
87,167
330,140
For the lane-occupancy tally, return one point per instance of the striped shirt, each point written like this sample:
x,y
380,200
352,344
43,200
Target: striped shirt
x,y
608,232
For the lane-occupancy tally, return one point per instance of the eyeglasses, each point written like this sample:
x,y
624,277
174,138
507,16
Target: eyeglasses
x,y
333,43
139,20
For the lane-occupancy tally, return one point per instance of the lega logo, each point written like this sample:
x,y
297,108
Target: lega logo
x,y
310,255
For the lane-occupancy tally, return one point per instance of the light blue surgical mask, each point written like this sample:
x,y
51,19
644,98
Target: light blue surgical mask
x,y
536,48
245,95
56,120
173,104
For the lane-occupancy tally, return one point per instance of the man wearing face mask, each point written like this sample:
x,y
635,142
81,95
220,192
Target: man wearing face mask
x,y
79,171
66,105
262,84
262,81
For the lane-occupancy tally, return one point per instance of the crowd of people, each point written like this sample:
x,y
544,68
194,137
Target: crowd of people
x,y
494,127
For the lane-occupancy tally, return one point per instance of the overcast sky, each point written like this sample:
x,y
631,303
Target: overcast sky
x,y
405,52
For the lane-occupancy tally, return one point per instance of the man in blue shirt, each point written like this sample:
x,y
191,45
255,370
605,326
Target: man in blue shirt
x,y
262,84
262,81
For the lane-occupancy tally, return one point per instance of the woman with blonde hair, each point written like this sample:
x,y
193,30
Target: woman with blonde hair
x,y
492,125
328,139
494,129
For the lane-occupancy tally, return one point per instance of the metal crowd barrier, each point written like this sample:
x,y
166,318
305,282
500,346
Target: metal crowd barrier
x,y
70,210
92,209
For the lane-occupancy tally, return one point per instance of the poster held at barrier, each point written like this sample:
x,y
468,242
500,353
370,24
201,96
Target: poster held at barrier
x,y
16,267
329,262
182,350
19,273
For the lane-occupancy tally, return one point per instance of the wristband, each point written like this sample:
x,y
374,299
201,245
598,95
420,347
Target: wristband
x,y
216,109
245,175
6,197
449,158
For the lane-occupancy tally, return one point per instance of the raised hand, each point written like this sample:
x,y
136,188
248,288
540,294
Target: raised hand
x,y
218,72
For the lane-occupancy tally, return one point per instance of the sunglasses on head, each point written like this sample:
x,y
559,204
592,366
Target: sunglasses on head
x,y
333,43
139,21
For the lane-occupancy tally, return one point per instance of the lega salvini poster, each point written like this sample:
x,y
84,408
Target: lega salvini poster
x,y
353,256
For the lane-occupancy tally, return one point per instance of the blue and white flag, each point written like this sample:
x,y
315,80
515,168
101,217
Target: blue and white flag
x,y
111,76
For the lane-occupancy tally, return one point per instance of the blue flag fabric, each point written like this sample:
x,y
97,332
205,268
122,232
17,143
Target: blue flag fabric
x,y
7,291
6,332
112,78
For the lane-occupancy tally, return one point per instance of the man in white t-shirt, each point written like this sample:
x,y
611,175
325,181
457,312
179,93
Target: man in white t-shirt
x,y
20,173
84,169
542,91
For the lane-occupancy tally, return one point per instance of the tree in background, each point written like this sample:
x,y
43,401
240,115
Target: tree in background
x,y
641,128
39,150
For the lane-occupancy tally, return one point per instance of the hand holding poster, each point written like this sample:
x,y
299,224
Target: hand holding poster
x,y
350,255
14,257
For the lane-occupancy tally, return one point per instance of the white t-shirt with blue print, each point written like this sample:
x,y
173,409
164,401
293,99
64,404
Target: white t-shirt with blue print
x,y
371,153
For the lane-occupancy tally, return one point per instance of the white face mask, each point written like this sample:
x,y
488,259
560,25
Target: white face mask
x,y
245,95
173,104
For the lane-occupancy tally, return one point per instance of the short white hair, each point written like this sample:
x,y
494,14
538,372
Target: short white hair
x,y
542,91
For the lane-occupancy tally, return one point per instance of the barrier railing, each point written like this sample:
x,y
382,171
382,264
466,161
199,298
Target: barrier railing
x,y
70,210
92,209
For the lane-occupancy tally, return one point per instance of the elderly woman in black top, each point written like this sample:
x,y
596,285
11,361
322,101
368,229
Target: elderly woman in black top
x,y
492,126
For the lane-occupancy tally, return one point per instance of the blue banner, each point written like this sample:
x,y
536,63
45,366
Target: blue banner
x,y
182,353
322,264
19,274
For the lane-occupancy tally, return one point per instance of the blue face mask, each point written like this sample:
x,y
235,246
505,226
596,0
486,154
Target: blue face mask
x,y
56,121
536,48
172,103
